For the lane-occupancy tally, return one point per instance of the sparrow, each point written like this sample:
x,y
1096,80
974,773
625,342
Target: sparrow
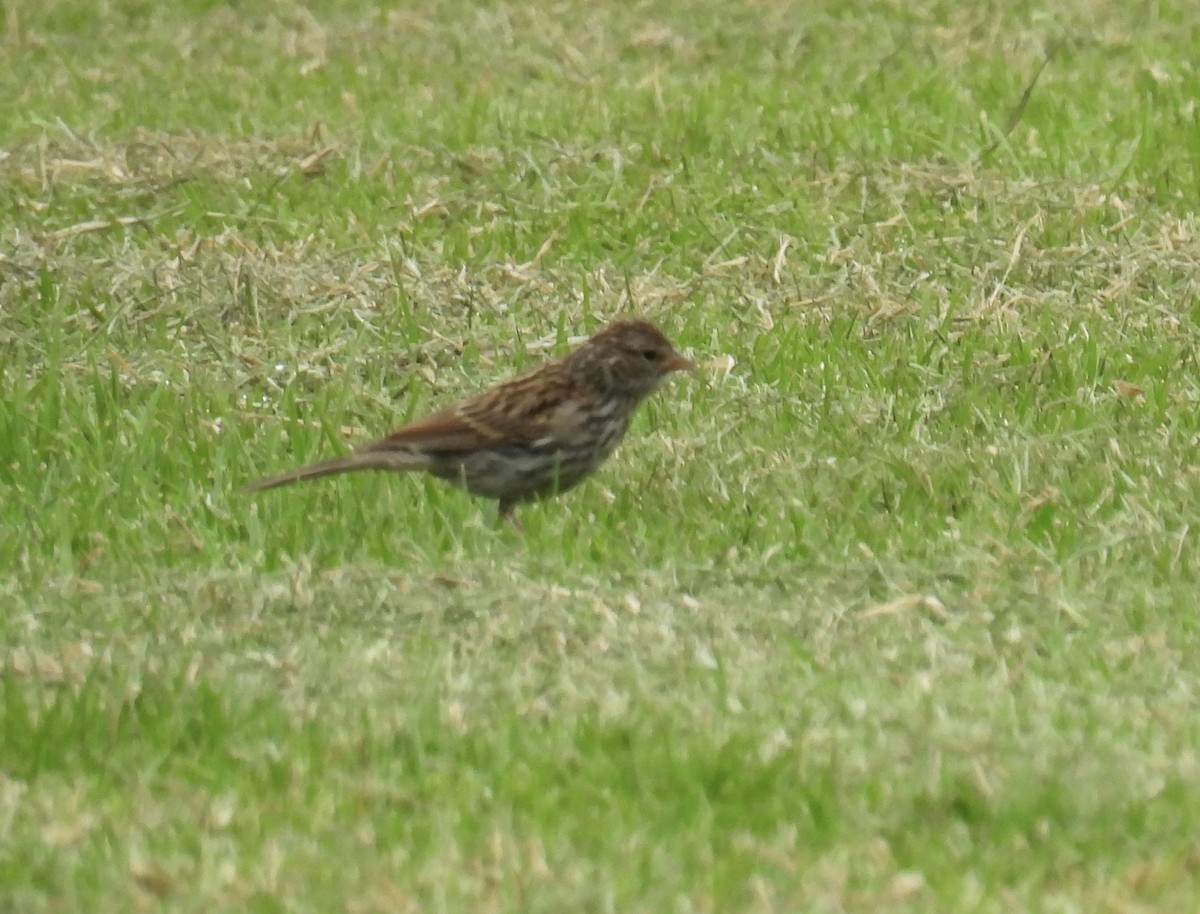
x,y
530,437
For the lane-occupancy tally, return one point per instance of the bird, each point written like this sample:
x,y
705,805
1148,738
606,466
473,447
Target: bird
x,y
533,436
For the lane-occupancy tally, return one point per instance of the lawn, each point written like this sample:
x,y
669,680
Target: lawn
x,y
889,607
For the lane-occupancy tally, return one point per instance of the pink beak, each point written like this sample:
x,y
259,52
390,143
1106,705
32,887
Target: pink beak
x,y
677,363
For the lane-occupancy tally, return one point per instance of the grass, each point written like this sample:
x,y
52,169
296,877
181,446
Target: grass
x,y
890,607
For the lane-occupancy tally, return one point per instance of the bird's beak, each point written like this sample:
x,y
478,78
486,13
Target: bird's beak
x,y
678,363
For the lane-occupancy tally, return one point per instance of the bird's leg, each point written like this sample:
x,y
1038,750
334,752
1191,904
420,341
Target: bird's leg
x,y
506,513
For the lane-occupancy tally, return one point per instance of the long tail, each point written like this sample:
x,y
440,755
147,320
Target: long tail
x,y
396,461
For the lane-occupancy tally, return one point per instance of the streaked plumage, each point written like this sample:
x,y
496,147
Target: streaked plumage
x,y
535,435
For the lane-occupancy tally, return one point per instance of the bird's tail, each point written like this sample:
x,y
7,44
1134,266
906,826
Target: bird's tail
x,y
396,461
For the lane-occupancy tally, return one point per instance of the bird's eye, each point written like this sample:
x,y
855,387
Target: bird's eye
x,y
651,355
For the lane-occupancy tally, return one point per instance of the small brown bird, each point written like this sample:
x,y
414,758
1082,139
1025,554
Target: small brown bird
x,y
533,436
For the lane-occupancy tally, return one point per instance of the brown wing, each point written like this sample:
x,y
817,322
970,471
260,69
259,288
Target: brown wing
x,y
540,408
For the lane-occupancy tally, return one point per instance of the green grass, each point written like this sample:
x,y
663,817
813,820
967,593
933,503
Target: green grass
x,y
889,607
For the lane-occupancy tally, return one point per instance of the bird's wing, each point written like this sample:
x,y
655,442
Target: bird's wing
x,y
539,409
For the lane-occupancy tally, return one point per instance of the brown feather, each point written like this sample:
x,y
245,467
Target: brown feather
x,y
444,430
539,406
359,460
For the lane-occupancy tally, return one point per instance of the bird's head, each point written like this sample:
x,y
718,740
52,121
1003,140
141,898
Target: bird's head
x,y
629,358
